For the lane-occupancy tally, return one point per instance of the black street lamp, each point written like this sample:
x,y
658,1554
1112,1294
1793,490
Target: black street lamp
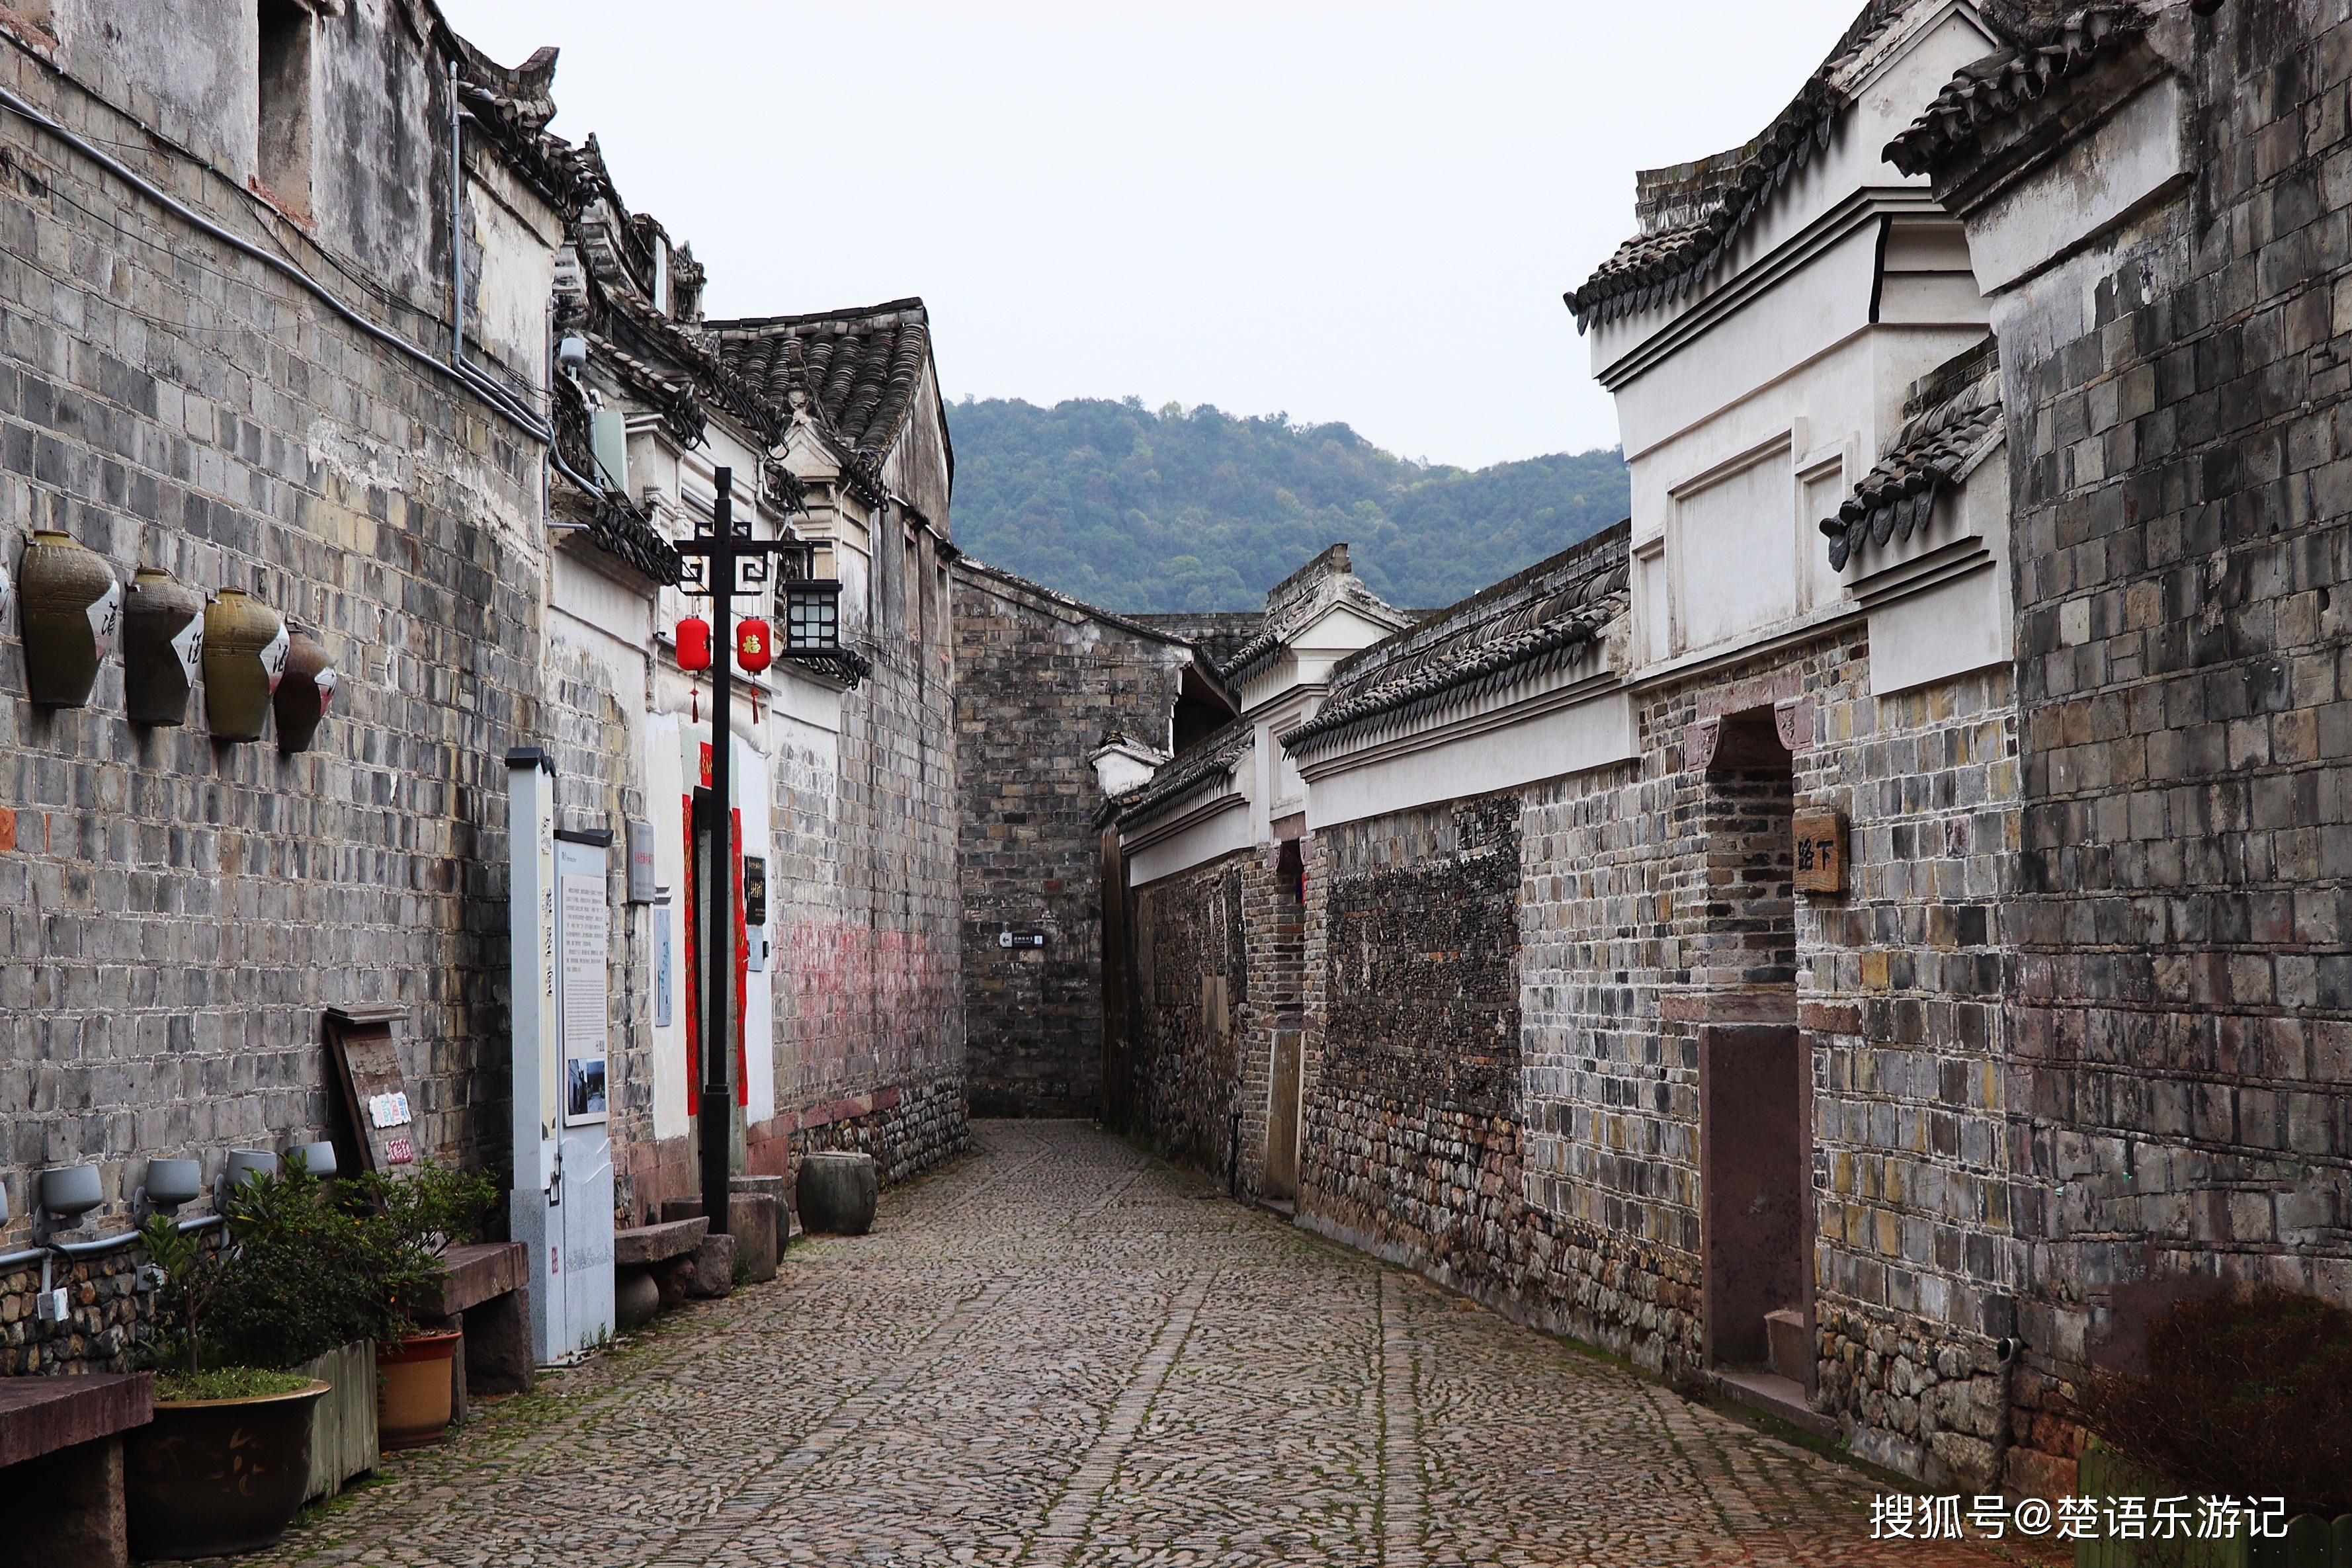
x,y
717,550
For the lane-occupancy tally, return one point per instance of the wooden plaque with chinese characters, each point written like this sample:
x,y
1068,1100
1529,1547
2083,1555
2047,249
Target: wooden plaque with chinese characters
x,y
375,1098
1821,851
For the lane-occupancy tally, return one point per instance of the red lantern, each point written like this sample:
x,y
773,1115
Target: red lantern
x,y
753,644
694,643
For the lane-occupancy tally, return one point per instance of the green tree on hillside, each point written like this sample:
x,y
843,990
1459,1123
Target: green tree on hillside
x,y
1198,509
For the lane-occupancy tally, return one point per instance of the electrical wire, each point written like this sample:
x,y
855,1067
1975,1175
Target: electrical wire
x,y
488,391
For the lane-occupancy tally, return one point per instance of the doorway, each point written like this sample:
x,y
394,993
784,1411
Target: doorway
x,y
1755,1100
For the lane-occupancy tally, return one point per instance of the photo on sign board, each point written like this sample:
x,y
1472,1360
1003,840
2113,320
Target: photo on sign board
x,y
584,1093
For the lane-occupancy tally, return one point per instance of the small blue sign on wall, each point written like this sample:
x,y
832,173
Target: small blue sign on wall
x,y
662,1004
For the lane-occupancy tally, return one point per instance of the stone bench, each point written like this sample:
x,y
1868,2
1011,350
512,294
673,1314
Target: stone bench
x,y
61,1467
755,1207
660,1255
484,1292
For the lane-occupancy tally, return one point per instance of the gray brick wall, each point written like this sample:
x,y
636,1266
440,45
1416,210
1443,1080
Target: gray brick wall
x,y
2179,1008
1038,681
176,913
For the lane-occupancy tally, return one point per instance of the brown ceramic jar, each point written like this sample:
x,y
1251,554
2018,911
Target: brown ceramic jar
x,y
72,609
162,644
303,690
244,654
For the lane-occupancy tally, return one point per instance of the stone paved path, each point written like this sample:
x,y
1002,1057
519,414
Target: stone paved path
x,y
1063,1352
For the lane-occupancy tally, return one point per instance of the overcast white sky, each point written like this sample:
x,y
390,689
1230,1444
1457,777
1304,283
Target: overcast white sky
x,y
1364,211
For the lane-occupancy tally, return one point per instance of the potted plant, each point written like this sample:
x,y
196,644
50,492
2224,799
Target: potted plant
x,y
426,1211
227,1460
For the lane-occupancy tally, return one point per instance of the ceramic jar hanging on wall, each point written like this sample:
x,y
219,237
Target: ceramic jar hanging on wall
x,y
244,654
303,690
162,641
72,609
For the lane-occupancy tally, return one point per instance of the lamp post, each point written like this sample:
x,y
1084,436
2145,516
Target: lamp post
x,y
812,630
718,548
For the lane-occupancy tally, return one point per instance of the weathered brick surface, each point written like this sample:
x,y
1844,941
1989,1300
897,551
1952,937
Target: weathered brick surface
x,y
175,913
2180,1012
1038,683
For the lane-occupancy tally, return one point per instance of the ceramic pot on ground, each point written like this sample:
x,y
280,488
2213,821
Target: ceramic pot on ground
x,y
72,608
838,1191
244,654
162,646
303,690
209,1476
413,1395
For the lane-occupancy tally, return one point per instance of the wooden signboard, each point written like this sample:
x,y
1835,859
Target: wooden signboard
x,y
375,1096
1821,851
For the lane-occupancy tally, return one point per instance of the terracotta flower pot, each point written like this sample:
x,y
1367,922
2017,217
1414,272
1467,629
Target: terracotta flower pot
x,y
413,1389
209,1476
162,646
72,611
303,690
244,653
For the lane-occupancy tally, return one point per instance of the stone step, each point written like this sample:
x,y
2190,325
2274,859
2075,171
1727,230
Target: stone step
x,y
1774,1395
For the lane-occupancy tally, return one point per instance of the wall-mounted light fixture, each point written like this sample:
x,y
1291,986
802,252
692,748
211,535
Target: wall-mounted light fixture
x,y
170,1183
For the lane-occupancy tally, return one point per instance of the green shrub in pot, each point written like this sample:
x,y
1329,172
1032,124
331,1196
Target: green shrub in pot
x,y
300,1270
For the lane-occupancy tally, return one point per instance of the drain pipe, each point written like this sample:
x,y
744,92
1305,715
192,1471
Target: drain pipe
x,y
1233,1159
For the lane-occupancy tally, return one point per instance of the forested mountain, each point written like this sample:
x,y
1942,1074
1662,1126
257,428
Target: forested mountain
x,y
1197,510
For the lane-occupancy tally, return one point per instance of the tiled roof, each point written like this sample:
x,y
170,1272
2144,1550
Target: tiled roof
x,y
1953,422
1297,600
859,369
2004,82
1545,617
1206,766
1219,634
1691,214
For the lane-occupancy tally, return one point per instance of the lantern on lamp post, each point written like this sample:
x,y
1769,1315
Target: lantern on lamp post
x,y
753,645
715,551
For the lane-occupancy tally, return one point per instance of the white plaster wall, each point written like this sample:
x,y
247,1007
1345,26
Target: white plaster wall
x,y
2131,157
666,800
1208,839
1903,75
1586,734
1963,623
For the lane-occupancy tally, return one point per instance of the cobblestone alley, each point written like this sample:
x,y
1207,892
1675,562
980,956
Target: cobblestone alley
x,y
1062,1350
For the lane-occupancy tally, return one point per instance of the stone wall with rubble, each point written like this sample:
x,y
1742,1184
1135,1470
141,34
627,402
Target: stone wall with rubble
x,y
1600,922
1039,681
2181,1006
1191,974
178,913
1412,1139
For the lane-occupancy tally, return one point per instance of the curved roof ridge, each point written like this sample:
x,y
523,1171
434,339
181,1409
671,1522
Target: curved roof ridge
x,y
1691,213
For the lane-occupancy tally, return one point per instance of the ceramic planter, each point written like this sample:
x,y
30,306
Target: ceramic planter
x,y
414,1398
72,609
162,646
209,1476
303,690
244,654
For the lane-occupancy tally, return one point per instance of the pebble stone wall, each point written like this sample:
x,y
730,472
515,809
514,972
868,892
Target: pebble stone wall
x,y
1507,1087
1186,1071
